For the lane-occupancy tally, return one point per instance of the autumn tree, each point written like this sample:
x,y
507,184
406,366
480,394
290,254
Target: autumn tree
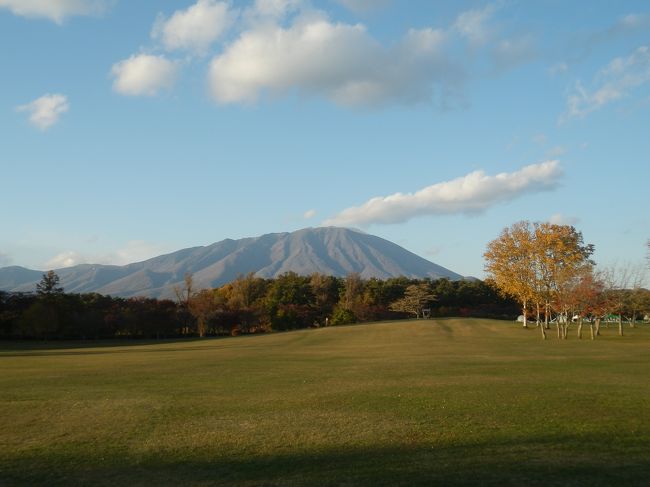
x,y
202,305
415,298
538,262
510,264
352,292
561,259
584,298
350,299
244,298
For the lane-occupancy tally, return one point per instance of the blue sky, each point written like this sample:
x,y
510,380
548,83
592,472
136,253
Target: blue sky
x,y
129,129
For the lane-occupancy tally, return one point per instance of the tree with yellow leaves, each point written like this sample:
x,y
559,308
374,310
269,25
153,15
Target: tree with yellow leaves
x,y
510,264
540,262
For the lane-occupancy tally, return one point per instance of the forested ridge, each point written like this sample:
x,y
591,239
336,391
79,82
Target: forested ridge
x,y
248,304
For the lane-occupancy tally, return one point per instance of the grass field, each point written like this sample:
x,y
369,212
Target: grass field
x,y
440,402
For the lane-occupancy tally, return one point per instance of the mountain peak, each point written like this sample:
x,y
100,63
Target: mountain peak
x,y
334,251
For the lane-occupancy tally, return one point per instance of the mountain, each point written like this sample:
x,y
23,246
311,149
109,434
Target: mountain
x,y
328,250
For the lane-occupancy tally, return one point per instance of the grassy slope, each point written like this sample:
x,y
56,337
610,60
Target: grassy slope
x,y
455,401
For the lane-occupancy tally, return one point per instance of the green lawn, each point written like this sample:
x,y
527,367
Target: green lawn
x,y
440,402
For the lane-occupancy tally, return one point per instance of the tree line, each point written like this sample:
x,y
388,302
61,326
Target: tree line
x,y
249,304
548,269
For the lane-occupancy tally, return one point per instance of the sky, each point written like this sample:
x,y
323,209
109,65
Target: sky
x,y
131,129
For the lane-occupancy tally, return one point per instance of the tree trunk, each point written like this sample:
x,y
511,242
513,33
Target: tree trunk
x,y
633,322
591,329
525,317
537,319
598,326
546,325
620,324
580,328
201,327
566,330
559,333
543,332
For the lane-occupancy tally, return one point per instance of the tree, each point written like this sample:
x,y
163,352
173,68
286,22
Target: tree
x,y
49,285
202,306
510,264
561,260
635,299
539,263
289,301
617,279
352,292
244,299
325,290
183,296
415,298
40,320
583,298
184,293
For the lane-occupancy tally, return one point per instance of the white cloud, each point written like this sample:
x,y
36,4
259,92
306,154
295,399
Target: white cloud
x,y
272,10
46,110
55,10
360,6
65,259
620,77
338,61
309,214
144,74
560,219
472,25
472,193
133,251
195,28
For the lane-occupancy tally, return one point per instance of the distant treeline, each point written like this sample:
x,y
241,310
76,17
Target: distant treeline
x,y
247,305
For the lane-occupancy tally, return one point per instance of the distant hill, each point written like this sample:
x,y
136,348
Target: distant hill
x,y
328,250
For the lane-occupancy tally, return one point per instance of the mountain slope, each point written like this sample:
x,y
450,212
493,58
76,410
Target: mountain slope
x,y
330,250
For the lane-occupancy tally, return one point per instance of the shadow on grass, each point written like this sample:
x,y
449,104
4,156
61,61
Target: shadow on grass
x,y
555,462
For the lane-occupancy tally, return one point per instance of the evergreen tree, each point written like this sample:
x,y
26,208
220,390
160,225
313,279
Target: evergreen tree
x,y
49,285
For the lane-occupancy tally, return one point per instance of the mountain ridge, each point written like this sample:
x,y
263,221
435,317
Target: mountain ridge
x,y
327,250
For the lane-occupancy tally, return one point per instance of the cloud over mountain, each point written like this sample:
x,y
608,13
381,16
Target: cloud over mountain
x,y
472,193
